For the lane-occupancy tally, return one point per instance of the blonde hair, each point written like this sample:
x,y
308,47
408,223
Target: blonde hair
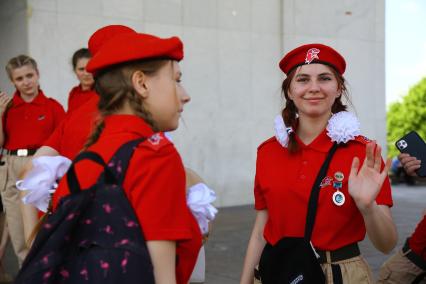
x,y
19,61
114,86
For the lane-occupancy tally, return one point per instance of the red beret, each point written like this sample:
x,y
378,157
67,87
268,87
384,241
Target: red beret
x,y
104,34
313,53
130,46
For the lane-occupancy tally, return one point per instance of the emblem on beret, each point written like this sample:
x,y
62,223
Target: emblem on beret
x,y
311,55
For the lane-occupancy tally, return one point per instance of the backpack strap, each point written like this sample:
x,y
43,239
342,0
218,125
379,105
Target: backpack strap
x,y
73,184
119,163
313,199
114,172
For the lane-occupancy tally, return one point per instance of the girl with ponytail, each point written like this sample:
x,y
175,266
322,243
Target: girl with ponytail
x,y
354,195
138,79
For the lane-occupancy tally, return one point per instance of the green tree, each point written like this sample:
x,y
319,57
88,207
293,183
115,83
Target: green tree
x,y
407,115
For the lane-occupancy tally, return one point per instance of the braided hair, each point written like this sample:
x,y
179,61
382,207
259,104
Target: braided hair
x,y
115,88
289,113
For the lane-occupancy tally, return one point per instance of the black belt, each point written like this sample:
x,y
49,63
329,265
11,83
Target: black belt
x,y
343,253
413,257
20,152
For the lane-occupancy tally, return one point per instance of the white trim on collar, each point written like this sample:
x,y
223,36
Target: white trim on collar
x,y
341,128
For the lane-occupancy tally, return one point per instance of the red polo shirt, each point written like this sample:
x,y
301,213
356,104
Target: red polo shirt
x,y
78,97
71,135
283,185
29,124
417,240
154,185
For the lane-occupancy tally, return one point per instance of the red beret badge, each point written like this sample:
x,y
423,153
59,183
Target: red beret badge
x,y
311,55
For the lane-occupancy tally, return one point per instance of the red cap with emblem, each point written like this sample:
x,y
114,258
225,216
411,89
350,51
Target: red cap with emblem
x,y
313,53
129,46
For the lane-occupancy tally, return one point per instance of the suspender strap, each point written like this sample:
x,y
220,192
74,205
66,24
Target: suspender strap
x,y
313,199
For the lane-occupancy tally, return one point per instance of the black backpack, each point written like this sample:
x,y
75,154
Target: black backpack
x,y
94,235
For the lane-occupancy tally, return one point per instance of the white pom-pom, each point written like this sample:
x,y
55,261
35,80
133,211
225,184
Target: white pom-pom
x,y
281,131
342,127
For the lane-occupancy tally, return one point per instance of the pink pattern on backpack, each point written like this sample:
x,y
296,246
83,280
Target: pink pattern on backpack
x,y
105,267
107,208
65,273
124,261
85,273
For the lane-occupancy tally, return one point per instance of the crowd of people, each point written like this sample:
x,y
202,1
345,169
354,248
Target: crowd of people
x,y
130,91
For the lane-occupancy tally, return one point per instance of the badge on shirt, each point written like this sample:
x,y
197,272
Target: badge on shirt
x,y
339,176
326,182
338,198
155,139
41,117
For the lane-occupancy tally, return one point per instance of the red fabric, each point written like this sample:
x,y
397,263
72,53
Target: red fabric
x,y
154,185
417,240
71,135
130,46
78,97
313,53
283,185
98,39
28,125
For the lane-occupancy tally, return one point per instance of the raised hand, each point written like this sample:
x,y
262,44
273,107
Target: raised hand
x,y
4,101
365,182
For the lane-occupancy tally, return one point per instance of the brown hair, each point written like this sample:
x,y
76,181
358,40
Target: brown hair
x,y
79,54
114,86
19,61
290,110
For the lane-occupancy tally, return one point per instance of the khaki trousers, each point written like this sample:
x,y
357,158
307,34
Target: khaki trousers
x,y
399,269
354,271
12,203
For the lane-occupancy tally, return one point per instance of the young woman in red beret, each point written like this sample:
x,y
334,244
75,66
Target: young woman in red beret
x,y
138,79
82,93
27,119
354,197
69,137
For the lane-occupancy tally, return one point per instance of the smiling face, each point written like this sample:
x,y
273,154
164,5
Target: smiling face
x,y
166,96
26,80
85,78
313,89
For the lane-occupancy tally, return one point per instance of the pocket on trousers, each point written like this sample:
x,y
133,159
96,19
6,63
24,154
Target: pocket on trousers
x,y
3,175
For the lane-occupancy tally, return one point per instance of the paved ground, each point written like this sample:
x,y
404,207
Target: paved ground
x,y
227,244
226,247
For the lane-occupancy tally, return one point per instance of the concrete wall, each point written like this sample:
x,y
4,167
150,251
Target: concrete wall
x,y
13,36
232,48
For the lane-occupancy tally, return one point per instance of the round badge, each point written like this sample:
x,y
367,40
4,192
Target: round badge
x,y
338,198
339,176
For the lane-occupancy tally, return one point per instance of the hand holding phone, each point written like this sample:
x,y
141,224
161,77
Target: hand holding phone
x,y
413,145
